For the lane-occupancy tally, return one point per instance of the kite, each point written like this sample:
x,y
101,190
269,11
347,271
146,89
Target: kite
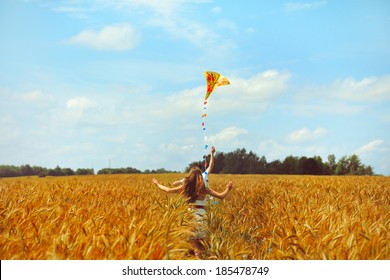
x,y
213,80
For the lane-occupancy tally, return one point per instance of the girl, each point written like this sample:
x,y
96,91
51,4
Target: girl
x,y
195,188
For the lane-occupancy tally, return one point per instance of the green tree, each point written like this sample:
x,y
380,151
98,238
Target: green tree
x,y
85,171
26,170
262,165
331,164
354,165
9,171
68,171
253,163
275,167
367,170
309,166
290,165
342,166
219,162
235,162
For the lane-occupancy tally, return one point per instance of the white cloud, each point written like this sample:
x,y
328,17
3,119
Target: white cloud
x,y
378,152
183,102
370,147
169,15
227,135
196,33
254,93
327,106
36,97
274,150
181,148
119,37
80,103
262,86
372,89
243,95
32,96
342,97
305,134
297,6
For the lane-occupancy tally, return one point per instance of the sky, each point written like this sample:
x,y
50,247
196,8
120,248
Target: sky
x,y
98,83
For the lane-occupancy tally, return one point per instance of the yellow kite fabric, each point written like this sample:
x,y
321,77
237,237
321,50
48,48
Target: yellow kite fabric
x,y
214,80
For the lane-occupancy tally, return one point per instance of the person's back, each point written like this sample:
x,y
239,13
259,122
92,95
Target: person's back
x,y
195,188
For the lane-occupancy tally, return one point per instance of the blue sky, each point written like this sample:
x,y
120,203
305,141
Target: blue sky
x,y
86,82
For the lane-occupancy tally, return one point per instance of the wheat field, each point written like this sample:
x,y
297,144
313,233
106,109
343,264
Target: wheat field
x,y
126,217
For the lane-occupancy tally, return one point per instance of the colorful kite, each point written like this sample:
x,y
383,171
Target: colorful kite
x,y
213,80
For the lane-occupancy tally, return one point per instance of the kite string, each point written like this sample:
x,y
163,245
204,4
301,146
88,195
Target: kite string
x,y
204,133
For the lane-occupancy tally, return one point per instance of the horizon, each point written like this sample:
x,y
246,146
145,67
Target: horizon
x,y
164,170
83,83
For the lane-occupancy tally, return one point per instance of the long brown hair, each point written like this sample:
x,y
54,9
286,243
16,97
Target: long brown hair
x,y
194,184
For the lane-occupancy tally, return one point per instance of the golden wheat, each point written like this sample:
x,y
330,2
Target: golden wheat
x,y
126,217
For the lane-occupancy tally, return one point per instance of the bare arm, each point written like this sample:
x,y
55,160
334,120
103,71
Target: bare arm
x,y
220,195
177,183
211,164
166,189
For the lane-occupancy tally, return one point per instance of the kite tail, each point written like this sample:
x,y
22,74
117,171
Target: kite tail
x,y
204,134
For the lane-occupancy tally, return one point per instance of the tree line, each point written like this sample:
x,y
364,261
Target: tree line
x,y
242,162
131,170
237,162
27,170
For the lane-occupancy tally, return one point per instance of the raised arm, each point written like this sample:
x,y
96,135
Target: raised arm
x,y
166,189
211,164
220,195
